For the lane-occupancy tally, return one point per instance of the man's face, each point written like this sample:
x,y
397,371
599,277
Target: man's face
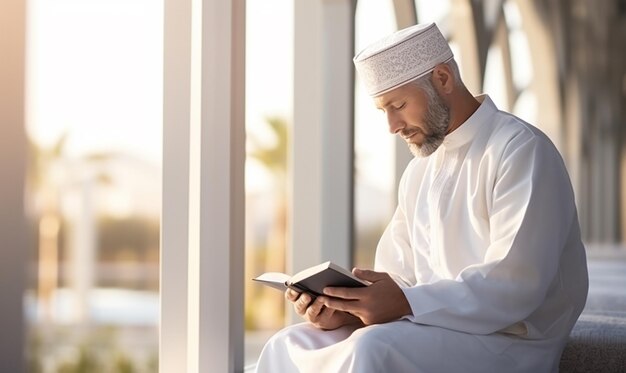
x,y
421,119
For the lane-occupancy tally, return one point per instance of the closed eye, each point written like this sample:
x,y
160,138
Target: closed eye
x,y
396,108
401,106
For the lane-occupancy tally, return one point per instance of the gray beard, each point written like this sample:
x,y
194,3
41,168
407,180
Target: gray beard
x,y
436,120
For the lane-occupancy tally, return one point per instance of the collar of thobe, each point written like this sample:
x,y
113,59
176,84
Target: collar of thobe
x,y
466,131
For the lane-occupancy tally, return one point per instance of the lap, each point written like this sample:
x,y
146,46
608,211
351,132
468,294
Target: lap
x,y
394,346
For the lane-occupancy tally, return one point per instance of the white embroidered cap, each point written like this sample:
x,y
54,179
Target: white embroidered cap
x,y
401,57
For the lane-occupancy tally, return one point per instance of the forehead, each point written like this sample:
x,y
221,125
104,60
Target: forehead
x,y
400,93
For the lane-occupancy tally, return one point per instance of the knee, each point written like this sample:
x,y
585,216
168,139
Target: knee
x,y
275,355
301,336
279,338
370,345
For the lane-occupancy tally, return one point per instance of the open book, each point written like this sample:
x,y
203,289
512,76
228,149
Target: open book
x,y
312,280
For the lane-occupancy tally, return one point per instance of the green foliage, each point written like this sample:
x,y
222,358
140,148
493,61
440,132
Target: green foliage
x,y
123,364
98,351
40,159
85,363
152,365
273,157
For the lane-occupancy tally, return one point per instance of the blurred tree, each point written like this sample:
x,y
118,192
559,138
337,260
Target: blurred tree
x,y
267,305
274,157
44,185
123,364
85,363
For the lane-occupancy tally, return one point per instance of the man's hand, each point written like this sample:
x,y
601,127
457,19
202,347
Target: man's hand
x,y
316,313
381,302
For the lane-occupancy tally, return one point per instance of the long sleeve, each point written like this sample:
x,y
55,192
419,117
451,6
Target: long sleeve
x,y
531,217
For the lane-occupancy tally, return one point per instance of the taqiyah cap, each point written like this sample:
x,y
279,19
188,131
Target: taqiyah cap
x,y
401,57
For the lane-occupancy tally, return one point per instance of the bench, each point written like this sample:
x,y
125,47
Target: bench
x,y
598,341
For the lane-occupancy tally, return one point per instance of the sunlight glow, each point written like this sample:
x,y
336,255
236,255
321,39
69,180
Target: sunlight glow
x,y
94,71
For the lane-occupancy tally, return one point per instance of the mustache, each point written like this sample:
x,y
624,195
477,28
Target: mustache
x,y
406,133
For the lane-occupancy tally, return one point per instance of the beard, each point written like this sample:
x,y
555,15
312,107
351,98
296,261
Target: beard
x,y
436,121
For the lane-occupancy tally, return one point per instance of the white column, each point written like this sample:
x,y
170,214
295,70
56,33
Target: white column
x,y
216,235
402,158
83,256
545,83
573,142
322,154
406,15
12,173
175,186
464,34
203,187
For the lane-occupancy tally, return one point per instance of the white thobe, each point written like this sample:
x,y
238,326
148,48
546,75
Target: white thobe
x,y
485,244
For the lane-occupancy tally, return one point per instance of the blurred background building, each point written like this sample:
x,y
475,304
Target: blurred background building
x,y
82,148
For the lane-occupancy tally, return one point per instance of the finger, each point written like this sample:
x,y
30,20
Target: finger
x,y
291,295
340,305
325,312
369,275
314,310
325,316
302,303
345,293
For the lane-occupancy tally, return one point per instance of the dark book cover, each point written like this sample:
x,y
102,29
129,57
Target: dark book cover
x,y
312,280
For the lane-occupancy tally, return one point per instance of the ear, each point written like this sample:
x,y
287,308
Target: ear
x,y
443,79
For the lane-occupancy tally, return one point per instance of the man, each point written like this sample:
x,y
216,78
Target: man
x,y
481,268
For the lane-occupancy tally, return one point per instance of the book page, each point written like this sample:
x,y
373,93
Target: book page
x,y
276,280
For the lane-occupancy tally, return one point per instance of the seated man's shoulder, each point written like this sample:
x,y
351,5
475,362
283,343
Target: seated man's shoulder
x,y
510,132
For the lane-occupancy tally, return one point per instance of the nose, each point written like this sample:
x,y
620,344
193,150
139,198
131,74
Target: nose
x,y
396,124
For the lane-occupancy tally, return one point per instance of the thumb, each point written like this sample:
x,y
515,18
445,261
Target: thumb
x,y
368,275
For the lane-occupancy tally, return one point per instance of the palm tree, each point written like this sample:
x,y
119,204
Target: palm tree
x,y
45,212
274,158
